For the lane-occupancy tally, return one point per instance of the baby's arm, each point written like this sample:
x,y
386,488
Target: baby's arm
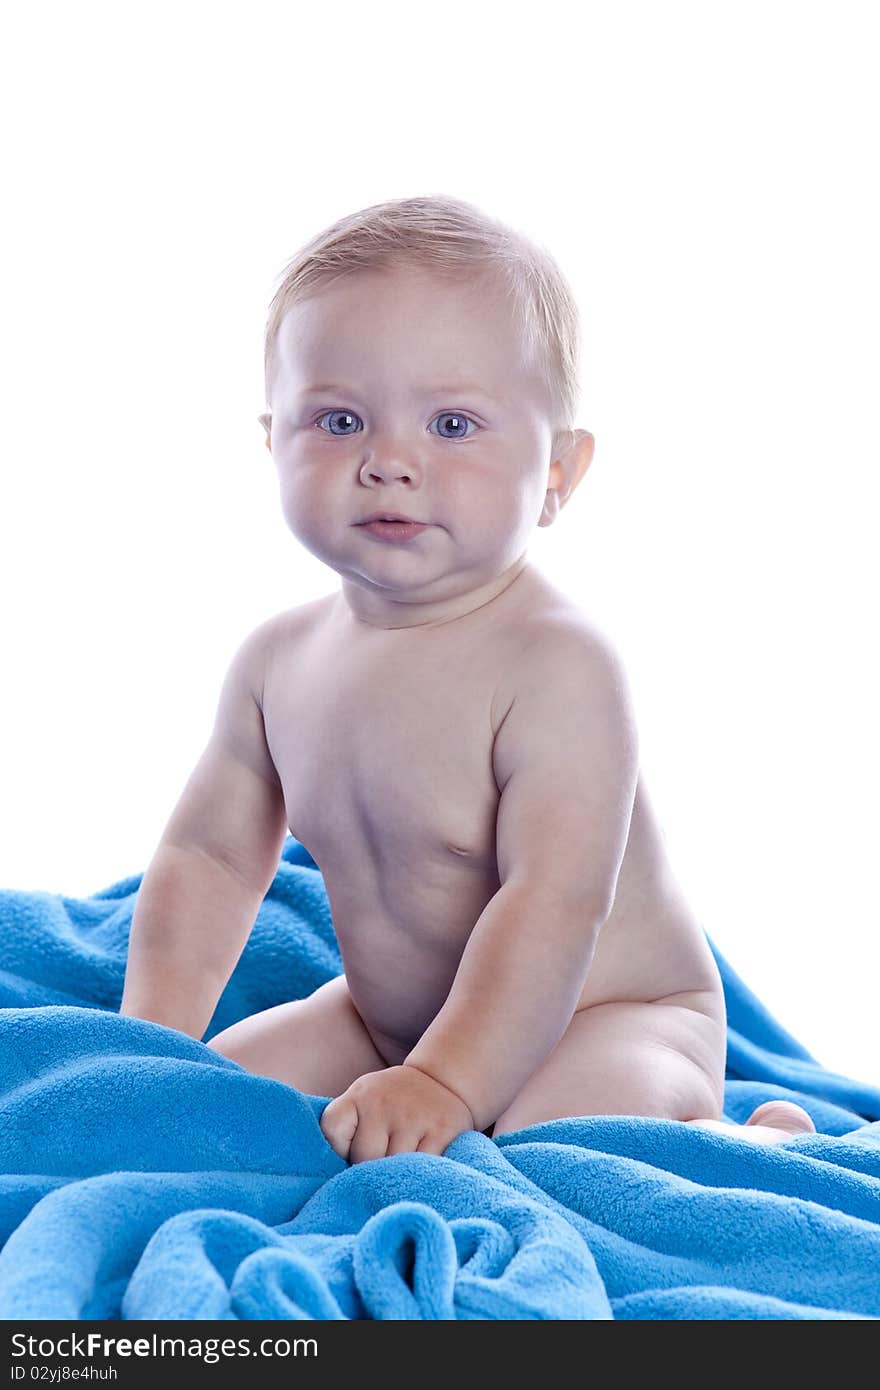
x,y
214,863
566,762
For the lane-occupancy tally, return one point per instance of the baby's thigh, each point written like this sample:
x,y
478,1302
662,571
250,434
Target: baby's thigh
x,y
627,1059
319,1045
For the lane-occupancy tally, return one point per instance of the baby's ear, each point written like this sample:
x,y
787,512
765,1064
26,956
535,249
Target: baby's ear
x,y
266,422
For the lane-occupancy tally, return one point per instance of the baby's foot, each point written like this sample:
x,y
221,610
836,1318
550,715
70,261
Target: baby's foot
x,y
771,1123
779,1119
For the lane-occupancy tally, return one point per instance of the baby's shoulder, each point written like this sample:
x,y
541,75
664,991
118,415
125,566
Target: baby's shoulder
x,y
289,624
276,636
546,622
561,650
560,631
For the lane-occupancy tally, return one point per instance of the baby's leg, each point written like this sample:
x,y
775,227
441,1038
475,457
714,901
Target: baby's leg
x,y
627,1058
771,1123
661,1059
319,1045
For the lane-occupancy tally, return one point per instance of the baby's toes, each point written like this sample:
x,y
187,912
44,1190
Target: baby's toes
x,y
783,1114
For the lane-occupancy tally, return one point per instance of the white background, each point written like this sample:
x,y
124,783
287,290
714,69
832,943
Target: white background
x,y
705,173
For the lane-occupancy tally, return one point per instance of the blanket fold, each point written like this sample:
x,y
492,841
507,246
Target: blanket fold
x,y
145,1176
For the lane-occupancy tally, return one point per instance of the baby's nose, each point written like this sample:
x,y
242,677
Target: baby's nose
x,y
388,468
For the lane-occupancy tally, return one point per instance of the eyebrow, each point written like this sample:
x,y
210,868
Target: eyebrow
x,y
462,387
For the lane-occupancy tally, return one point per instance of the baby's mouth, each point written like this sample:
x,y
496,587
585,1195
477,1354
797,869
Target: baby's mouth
x,y
395,529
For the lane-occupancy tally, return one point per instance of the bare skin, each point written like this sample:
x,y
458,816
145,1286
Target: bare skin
x,y
401,818
452,740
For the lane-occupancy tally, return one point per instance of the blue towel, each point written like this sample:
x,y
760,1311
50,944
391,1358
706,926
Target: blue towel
x,y
148,1177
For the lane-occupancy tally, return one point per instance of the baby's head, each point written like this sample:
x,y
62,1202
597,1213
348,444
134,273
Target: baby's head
x,y
421,359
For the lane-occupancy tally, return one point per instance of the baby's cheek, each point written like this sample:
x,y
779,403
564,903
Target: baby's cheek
x,y
306,510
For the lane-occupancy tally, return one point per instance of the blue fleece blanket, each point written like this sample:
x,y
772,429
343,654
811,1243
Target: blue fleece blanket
x,y
148,1177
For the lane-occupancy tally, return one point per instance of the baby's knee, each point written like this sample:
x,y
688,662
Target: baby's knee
x,y
229,1042
218,1044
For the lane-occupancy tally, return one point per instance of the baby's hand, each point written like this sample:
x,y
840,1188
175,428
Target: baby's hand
x,y
398,1110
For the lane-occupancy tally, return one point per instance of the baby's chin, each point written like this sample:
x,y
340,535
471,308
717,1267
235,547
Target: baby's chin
x,y
418,570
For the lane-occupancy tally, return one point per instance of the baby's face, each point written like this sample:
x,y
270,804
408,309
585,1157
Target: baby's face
x,y
400,392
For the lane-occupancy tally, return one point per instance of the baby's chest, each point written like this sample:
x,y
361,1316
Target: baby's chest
x,y
397,768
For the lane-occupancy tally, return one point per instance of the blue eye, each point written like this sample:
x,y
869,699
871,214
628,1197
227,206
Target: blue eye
x,y
456,420
348,417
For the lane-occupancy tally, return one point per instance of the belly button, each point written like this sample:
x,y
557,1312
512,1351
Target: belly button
x,y
456,850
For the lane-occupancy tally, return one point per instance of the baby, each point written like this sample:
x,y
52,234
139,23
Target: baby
x,y
450,736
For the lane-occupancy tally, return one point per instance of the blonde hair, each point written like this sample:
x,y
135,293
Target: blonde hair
x,y
448,236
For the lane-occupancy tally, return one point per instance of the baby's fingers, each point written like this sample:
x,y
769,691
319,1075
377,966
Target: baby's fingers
x,y
339,1122
436,1141
405,1141
371,1138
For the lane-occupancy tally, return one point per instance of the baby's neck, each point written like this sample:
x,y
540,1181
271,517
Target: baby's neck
x,y
369,609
